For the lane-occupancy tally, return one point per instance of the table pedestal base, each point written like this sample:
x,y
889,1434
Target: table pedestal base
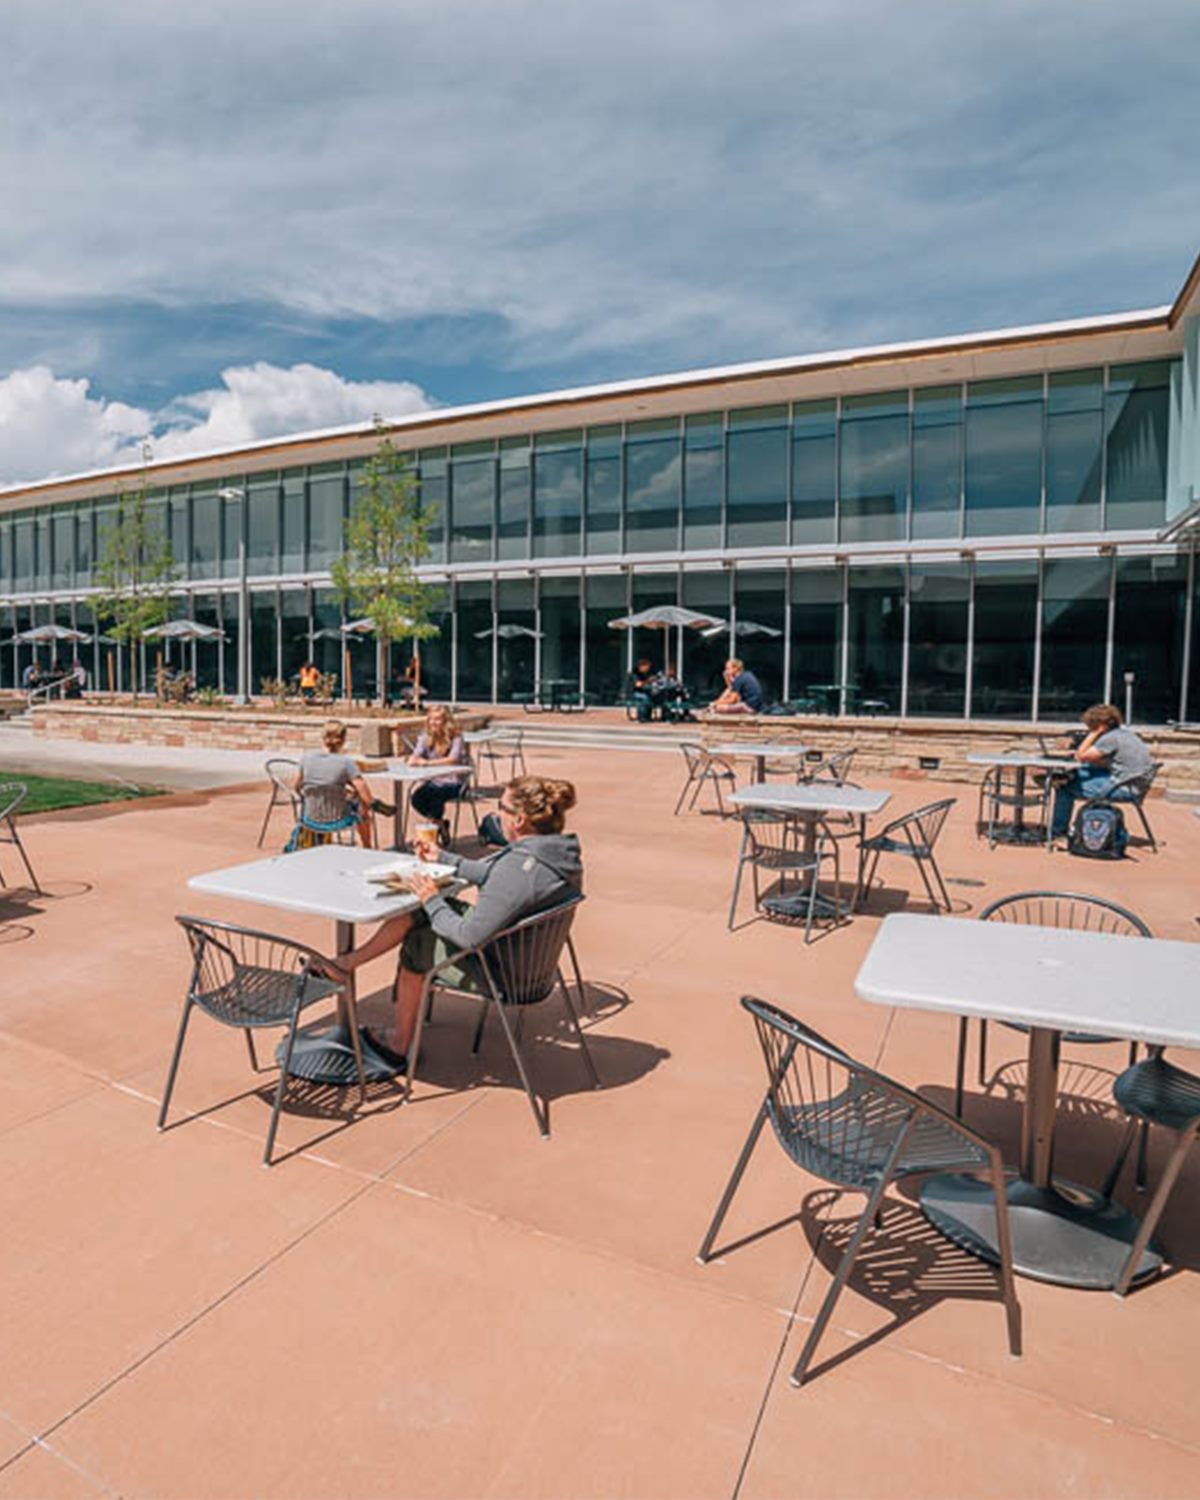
x,y
1018,833
328,1057
795,908
1066,1234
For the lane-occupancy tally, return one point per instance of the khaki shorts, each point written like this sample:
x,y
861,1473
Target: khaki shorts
x,y
423,948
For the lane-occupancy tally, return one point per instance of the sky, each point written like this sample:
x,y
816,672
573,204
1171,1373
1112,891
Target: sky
x,y
225,222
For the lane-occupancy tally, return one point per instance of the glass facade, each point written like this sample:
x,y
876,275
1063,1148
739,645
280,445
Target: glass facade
x,y
1045,492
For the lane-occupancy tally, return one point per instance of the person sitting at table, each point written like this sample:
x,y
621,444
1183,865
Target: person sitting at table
x,y
310,681
538,867
742,695
639,689
77,680
1108,753
440,743
31,678
332,784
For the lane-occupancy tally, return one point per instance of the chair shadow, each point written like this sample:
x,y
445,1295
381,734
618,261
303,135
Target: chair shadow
x,y
880,900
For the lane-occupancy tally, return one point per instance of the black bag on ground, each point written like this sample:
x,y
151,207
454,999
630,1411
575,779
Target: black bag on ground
x,y
491,832
1098,832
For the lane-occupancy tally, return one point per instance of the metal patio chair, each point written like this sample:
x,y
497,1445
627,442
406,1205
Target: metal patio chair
x,y
325,817
774,844
1154,1092
516,968
915,836
704,767
1060,909
252,980
855,1128
505,747
834,767
12,794
1130,791
282,773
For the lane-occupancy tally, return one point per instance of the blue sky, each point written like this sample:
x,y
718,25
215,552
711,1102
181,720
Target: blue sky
x,y
224,224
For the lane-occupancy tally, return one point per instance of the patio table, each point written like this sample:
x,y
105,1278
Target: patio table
x,y
809,803
1017,832
403,778
1051,980
328,881
759,751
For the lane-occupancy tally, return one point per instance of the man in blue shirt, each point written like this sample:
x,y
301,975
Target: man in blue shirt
x,y
743,694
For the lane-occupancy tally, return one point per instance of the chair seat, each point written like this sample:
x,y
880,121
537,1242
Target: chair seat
x,y
887,845
1157,1091
263,997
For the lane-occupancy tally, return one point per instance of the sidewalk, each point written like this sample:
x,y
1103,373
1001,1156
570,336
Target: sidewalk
x,y
147,765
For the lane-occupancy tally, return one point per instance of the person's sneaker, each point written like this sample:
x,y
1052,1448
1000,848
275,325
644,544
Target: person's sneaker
x,y
384,809
395,1060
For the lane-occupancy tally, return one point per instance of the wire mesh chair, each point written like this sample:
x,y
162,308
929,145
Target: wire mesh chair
x,y
516,968
1132,791
1060,909
12,794
326,817
1154,1092
704,768
505,747
834,767
253,980
773,843
915,836
1001,791
282,773
857,1129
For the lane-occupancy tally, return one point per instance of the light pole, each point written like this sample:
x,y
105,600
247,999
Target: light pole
x,y
236,492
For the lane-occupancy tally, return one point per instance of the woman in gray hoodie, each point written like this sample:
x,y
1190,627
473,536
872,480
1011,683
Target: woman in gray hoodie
x,y
539,867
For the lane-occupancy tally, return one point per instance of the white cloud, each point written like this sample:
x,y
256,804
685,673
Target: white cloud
x,y
54,426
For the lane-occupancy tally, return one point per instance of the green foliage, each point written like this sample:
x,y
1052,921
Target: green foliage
x,y
49,793
210,697
387,535
135,569
277,689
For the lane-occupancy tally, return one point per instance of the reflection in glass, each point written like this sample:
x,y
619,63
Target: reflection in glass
x,y
512,539
757,458
436,652
1006,595
814,471
816,669
605,599
873,467
433,482
1136,419
937,461
293,631
472,502
703,480
652,486
1004,456
603,507
326,506
560,626
1074,631
557,495
474,655
206,533
938,596
704,657
515,655
875,633
1148,635
761,600
1074,445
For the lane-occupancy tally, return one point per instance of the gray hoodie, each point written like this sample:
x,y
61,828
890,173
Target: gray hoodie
x,y
528,876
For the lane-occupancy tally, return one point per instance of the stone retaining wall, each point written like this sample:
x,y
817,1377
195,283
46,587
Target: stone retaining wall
x,y
897,747
216,728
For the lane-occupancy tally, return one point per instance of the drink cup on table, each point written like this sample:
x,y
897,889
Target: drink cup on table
x,y
425,840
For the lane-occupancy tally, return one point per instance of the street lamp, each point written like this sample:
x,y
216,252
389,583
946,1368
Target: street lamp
x,y
236,492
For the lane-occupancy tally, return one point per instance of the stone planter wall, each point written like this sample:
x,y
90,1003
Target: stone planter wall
x,y
215,728
896,747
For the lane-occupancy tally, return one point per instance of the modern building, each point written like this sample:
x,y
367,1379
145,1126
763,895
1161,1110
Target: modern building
x,y
990,526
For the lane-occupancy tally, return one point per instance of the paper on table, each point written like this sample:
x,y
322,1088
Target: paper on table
x,y
405,865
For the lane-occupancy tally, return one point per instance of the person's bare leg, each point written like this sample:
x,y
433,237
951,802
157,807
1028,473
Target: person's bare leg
x,y
388,935
408,1003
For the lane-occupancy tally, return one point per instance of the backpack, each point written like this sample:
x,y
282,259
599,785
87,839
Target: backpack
x,y
1098,832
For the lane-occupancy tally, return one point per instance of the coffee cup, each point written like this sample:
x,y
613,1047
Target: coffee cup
x,y
426,835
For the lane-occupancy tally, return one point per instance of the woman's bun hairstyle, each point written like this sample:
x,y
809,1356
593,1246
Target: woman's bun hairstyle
x,y
542,801
334,734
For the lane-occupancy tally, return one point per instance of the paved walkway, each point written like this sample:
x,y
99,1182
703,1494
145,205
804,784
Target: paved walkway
x,y
151,765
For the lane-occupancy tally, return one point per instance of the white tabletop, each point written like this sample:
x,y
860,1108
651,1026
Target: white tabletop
x,y
813,796
400,770
1144,989
1019,758
329,881
757,748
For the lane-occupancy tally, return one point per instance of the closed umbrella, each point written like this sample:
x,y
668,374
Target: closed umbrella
x,y
510,633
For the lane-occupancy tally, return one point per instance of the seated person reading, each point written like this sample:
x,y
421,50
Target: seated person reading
x,y
539,867
1107,754
742,694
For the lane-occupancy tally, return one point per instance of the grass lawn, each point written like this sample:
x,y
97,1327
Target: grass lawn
x,y
48,793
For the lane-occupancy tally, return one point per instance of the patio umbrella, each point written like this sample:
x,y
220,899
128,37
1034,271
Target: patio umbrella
x,y
665,617
44,634
511,633
742,628
334,633
184,630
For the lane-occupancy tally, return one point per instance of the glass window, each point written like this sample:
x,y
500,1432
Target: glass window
x,y
873,462
326,511
181,546
603,525
814,472
474,620
228,648
5,554
433,481
1004,456
206,533
604,600
472,502
1148,635
938,596
513,522
703,480
704,656
652,486
516,656
231,535
294,528
560,626
1074,445
558,494
262,526
875,631
648,590
1006,595
816,637
23,555
264,653
435,653
333,654
1136,419
295,646
1074,633
757,503
63,528
42,551
761,600
937,462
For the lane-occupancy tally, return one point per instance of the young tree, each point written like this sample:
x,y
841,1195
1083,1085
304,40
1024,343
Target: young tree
x,y
387,535
134,570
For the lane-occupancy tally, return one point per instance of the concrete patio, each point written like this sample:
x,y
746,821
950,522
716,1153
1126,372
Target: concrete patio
x,y
427,1299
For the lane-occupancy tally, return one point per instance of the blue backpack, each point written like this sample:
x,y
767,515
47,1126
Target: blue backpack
x,y
1098,832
